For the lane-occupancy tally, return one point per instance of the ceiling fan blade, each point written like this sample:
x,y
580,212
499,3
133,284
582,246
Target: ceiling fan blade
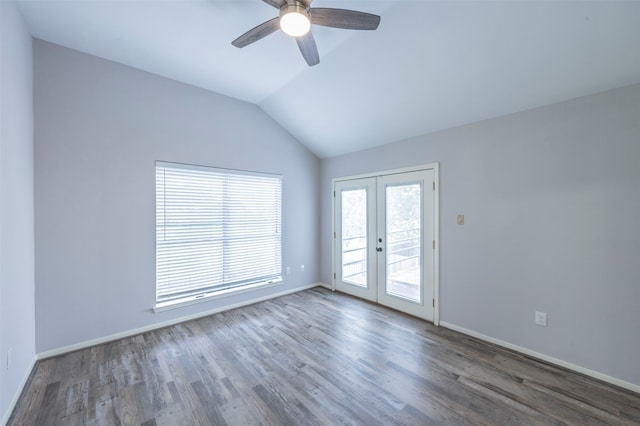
x,y
275,3
344,18
308,48
257,33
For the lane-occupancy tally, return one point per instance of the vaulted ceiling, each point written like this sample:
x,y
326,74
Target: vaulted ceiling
x,y
430,65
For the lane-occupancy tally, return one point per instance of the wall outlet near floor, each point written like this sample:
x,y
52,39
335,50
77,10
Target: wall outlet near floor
x,y
541,318
460,219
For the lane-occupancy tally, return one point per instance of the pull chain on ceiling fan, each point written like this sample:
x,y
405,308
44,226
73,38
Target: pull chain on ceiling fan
x,y
296,17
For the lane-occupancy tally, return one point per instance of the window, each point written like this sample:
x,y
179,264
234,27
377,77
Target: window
x,y
216,230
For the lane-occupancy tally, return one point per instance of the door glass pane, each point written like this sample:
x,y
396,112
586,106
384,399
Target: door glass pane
x,y
403,228
354,237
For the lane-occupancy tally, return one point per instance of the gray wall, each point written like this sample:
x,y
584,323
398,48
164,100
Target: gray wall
x,y
17,318
99,127
551,199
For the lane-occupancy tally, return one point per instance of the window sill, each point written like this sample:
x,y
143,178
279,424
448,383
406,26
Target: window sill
x,y
192,300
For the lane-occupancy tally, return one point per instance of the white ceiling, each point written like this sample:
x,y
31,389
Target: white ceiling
x,y
430,65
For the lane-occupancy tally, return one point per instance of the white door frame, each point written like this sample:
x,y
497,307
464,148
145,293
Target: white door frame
x,y
436,214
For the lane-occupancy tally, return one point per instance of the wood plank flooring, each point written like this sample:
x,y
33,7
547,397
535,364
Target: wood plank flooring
x,y
312,358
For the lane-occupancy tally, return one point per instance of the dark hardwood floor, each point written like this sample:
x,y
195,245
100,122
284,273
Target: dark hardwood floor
x,y
317,358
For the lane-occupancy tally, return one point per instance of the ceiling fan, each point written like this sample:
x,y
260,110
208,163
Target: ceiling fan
x,y
296,17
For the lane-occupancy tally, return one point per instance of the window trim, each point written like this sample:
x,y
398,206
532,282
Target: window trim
x,y
230,290
214,295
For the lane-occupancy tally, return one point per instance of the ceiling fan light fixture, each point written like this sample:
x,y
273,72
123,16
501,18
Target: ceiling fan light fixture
x,y
295,20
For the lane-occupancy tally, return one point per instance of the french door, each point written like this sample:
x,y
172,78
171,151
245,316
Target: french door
x,y
385,239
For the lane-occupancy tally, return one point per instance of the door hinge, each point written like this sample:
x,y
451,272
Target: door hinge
x,y
334,275
434,186
334,194
334,235
434,244
433,302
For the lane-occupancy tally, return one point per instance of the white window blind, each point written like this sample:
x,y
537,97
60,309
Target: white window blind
x,y
215,229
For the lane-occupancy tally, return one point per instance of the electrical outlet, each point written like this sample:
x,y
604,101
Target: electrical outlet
x,y
302,268
288,270
460,219
541,318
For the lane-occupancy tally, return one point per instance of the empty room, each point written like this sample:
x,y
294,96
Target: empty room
x,y
319,212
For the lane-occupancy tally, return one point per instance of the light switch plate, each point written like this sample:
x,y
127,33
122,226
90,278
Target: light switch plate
x,y
460,219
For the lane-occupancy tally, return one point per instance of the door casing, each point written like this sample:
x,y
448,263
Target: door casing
x,y
436,210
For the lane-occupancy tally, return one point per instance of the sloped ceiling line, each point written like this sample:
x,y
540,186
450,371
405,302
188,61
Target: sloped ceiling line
x,y
430,65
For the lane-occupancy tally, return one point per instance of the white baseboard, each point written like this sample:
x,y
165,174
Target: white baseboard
x,y
16,397
134,332
591,373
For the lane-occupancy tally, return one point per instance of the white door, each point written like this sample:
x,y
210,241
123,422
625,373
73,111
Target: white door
x,y
385,240
355,230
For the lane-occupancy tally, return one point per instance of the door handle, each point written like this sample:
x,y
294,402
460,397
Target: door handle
x,y
379,249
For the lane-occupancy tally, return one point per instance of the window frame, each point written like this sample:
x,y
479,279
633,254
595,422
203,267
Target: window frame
x,y
231,288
